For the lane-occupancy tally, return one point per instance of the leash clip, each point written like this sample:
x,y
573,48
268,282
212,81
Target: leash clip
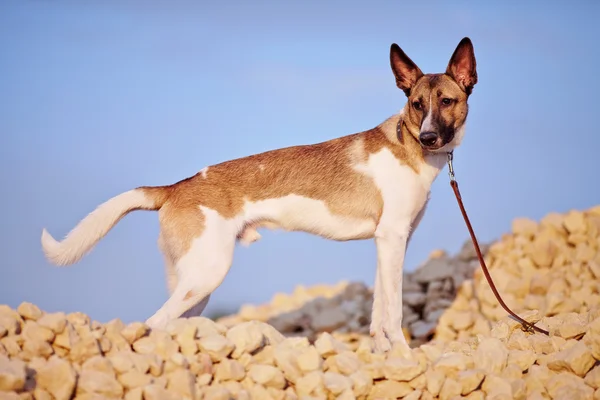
x,y
450,165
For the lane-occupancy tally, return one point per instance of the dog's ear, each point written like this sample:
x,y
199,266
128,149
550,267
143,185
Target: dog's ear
x,y
405,70
462,66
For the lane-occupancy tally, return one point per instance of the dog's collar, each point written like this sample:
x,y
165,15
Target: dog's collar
x,y
399,130
399,134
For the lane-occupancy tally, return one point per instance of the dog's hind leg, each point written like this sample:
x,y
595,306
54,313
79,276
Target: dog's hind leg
x,y
172,280
170,271
201,270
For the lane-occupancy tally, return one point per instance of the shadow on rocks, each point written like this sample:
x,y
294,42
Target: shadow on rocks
x,y
427,293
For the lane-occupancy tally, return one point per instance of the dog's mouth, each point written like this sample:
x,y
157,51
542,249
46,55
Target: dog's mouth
x,y
433,147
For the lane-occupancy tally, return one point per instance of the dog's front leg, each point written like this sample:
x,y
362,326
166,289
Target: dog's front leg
x,y
386,325
376,329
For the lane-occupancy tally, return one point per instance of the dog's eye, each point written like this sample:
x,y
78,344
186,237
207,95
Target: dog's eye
x,y
446,101
417,105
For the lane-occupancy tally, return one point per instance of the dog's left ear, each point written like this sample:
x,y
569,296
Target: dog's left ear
x,y
462,66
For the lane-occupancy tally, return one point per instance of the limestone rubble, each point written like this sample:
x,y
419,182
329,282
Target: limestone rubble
x,y
464,346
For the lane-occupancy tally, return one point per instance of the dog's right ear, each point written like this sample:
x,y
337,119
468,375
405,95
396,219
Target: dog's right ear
x,y
405,70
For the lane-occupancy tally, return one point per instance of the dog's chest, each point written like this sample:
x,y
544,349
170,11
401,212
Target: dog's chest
x,y
404,191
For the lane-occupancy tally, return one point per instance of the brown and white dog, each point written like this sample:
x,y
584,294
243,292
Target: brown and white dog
x,y
372,184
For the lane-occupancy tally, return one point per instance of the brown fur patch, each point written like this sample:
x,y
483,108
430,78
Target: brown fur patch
x,y
321,171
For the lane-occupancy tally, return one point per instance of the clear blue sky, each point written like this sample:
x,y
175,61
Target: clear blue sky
x,y
98,97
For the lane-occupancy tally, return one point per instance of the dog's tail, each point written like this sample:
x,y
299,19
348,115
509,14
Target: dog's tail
x,y
96,225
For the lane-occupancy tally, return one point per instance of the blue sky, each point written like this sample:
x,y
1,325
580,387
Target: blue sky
x,y
98,97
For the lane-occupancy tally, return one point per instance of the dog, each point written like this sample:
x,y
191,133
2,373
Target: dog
x,y
372,184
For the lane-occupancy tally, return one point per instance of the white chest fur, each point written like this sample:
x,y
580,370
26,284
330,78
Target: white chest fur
x,y
404,191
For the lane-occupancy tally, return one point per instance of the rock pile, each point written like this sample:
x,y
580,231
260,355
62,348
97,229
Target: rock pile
x,y
542,269
346,307
548,272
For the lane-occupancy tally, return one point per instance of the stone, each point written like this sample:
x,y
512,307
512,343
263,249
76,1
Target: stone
x,y
566,381
524,227
361,383
247,338
78,319
336,383
327,345
266,355
229,370
435,380
206,326
577,359
452,362
98,363
135,394
450,389
328,320
286,360
181,382
36,347
134,331
9,396
543,252
434,269
470,380
29,311
592,378
575,222
390,390
496,387
84,348
422,328
41,394
134,379
346,362
12,374
187,342
401,369
217,346
157,392
419,382
10,325
310,383
414,299
523,358
309,360
462,320
96,382
267,375
491,356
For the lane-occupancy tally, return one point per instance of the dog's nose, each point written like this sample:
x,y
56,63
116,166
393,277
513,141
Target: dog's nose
x,y
428,138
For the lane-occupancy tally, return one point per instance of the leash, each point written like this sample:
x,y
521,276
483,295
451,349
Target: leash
x,y
526,326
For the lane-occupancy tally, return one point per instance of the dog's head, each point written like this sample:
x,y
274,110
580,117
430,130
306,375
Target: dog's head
x,y
437,107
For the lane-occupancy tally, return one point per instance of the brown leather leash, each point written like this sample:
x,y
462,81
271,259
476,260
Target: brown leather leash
x,y
527,326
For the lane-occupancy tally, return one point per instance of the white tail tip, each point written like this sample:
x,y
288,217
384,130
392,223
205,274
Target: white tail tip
x,y
51,248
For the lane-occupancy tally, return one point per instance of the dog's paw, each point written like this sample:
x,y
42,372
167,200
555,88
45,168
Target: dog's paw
x,y
156,322
402,349
399,344
381,344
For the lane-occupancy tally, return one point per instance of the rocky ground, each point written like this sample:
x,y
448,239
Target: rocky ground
x,y
346,307
314,344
